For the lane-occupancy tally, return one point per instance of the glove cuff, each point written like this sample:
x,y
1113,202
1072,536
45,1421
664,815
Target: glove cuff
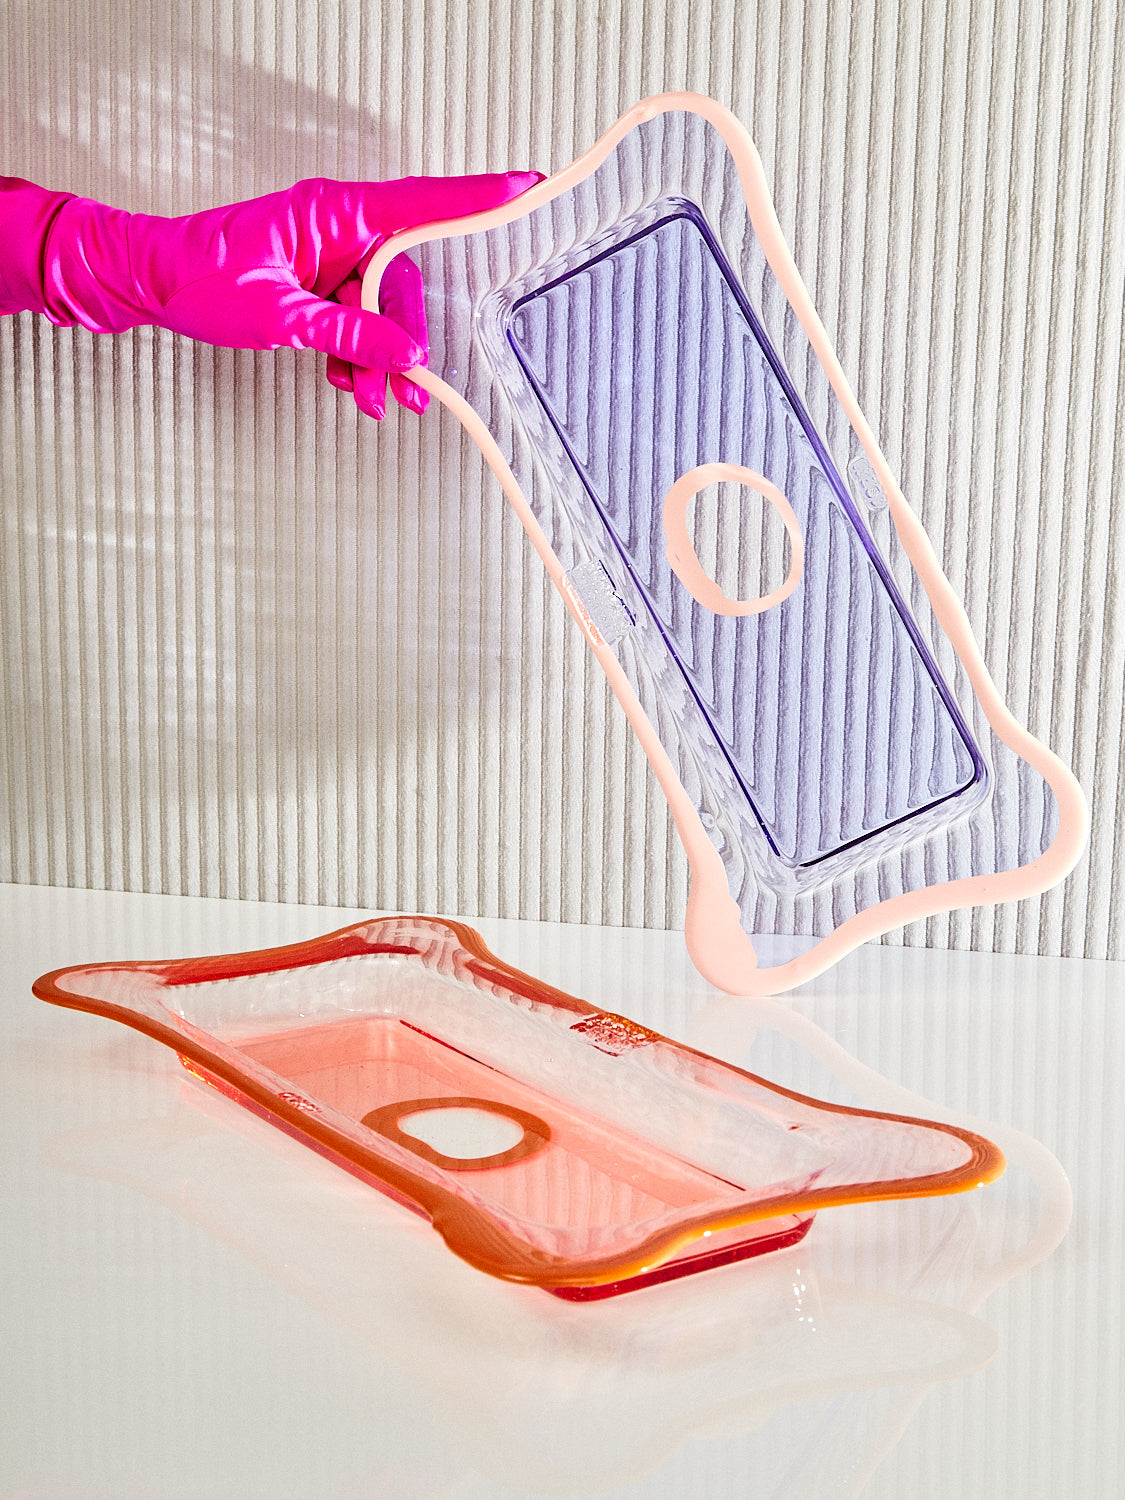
x,y
67,258
27,215
87,275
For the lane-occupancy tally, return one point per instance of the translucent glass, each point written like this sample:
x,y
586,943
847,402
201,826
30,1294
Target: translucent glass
x,y
675,371
790,641
635,1159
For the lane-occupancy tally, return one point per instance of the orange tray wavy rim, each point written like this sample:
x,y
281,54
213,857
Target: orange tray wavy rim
x,y
469,1232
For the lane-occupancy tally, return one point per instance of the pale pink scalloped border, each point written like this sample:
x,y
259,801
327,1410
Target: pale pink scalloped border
x,y
718,946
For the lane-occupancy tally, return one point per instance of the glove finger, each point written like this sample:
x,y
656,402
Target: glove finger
x,y
380,209
406,282
401,298
339,373
350,290
370,390
361,338
431,198
339,225
407,394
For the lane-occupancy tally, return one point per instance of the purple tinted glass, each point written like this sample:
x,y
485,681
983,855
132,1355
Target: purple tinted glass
x,y
829,710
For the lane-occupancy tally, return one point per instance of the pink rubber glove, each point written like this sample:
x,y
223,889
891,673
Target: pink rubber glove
x,y
279,271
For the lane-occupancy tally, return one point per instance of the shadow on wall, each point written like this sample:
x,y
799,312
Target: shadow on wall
x,y
228,569
139,109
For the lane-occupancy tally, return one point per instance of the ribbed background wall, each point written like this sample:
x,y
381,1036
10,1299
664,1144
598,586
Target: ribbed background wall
x,y
255,646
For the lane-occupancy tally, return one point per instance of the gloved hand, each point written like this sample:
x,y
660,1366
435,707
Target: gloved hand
x,y
256,275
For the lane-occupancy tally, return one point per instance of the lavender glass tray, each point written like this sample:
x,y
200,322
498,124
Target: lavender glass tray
x,y
632,348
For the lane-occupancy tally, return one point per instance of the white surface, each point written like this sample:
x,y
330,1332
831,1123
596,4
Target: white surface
x,y
198,1307
251,646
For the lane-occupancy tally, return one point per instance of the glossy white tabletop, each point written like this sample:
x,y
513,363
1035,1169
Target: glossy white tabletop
x,y
197,1306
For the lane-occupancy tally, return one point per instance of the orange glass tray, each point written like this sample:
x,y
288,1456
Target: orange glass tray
x,y
632,1159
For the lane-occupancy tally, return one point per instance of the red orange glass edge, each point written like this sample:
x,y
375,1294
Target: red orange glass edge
x,y
470,1232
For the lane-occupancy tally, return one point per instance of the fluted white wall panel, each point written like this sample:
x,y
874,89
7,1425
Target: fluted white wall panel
x,y
254,645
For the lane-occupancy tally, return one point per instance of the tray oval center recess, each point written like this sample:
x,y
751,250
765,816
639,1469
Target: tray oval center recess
x,y
461,1134
684,560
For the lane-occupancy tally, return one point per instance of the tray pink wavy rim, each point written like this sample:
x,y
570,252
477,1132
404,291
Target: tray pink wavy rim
x,y
720,949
